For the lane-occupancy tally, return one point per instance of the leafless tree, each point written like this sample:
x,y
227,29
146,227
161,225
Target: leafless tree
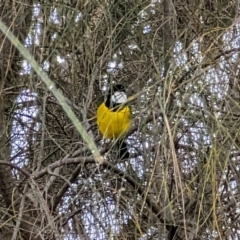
x,y
179,61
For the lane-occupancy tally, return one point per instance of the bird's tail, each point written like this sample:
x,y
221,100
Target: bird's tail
x,y
122,149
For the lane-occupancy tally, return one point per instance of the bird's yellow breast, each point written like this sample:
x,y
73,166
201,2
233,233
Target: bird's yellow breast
x,y
113,124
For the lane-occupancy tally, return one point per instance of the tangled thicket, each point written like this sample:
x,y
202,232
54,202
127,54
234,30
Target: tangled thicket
x,y
180,63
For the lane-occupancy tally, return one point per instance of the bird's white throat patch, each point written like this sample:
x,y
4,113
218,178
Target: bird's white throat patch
x,y
119,97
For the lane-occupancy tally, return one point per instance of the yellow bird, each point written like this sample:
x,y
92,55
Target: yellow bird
x,y
114,121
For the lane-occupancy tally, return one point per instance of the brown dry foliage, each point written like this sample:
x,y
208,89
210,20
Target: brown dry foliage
x,y
182,179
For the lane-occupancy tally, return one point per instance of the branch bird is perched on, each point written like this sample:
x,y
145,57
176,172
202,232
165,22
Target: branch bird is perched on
x,y
114,120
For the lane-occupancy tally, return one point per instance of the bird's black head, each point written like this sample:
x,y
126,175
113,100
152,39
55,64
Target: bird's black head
x,y
118,88
116,96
